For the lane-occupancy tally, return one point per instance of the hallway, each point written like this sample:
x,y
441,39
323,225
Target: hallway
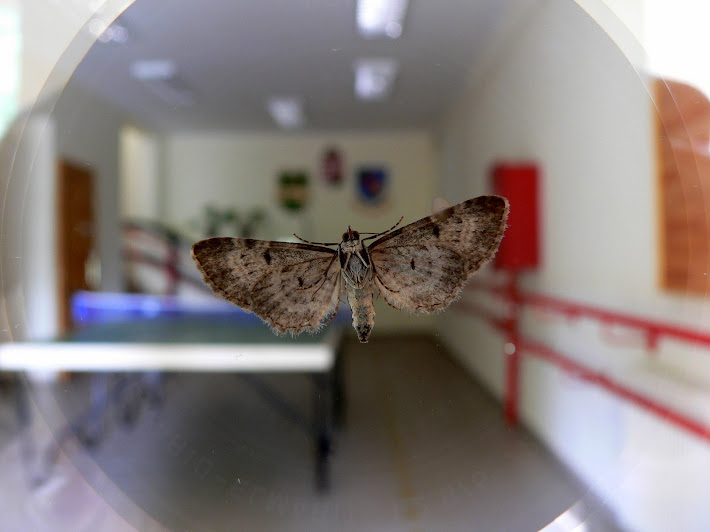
x,y
423,448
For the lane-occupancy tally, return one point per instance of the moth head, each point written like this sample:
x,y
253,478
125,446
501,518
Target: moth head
x,y
351,235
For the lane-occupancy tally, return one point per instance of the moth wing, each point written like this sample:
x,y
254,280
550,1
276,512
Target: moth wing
x,y
292,287
423,266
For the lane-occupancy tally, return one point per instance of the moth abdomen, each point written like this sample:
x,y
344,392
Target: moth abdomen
x,y
363,332
363,310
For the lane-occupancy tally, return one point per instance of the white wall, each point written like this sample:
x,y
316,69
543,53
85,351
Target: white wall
x,y
676,38
88,133
562,93
36,160
140,170
80,128
55,39
241,170
29,279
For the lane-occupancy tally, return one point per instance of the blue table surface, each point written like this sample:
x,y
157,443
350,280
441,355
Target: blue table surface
x,y
149,318
190,329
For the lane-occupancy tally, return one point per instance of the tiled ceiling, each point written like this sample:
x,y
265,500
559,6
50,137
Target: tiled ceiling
x,y
234,54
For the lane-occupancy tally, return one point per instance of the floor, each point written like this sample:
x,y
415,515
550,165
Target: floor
x,y
423,448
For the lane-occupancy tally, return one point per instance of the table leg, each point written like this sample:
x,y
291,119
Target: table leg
x,y
319,427
338,387
322,424
28,450
99,397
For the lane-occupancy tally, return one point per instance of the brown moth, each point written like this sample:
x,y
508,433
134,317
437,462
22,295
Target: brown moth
x,y
421,267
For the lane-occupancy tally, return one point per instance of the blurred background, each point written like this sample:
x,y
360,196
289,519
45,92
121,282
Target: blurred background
x,y
567,389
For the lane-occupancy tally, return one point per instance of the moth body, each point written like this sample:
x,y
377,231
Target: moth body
x,y
355,264
356,269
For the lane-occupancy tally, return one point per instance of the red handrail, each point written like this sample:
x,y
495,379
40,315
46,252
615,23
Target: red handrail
x,y
543,352
525,346
171,241
653,329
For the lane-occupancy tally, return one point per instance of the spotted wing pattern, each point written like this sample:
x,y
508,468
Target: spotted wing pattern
x,y
423,266
292,287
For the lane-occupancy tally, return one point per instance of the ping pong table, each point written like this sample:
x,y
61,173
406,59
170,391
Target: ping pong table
x,y
205,341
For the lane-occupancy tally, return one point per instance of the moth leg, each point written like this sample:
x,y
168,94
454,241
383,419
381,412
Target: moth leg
x,y
342,292
381,282
322,279
390,304
331,317
336,306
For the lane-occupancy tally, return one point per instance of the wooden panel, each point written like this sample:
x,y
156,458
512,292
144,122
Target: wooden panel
x,y
682,137
75,227
684,111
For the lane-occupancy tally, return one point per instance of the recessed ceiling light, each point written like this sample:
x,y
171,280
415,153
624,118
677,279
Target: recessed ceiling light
x,y
374,78
381,18
287,111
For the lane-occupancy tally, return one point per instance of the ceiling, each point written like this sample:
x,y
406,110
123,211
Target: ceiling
x,y
234,54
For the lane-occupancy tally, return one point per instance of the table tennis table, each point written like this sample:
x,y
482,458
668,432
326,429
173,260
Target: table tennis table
x,y
190,341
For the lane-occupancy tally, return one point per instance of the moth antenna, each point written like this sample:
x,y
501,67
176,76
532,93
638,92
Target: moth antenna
x,y
316,243
375,235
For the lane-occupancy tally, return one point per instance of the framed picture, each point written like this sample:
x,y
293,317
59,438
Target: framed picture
x,y
293,189
332,166
372,182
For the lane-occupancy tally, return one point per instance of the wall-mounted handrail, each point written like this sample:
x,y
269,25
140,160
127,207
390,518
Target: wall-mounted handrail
x,y
653,329
168,268
171,242
544,352
520,345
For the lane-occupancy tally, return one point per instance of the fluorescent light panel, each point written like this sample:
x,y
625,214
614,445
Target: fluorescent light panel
x,y
374,78
152,69
162,78
287,111
381,18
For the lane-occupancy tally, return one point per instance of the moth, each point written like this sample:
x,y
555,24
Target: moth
x,y
295,287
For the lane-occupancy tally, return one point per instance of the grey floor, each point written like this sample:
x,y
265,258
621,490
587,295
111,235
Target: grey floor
x,y
423,448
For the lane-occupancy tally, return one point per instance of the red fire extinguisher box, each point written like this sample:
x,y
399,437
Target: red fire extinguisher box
x,y
520,248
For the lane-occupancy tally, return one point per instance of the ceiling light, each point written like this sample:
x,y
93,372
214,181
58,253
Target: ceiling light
x,y
153,69
380,18
162,78
374,78
287,111
115,33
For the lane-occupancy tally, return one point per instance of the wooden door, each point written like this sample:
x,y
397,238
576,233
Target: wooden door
x,y
682,137
75,227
